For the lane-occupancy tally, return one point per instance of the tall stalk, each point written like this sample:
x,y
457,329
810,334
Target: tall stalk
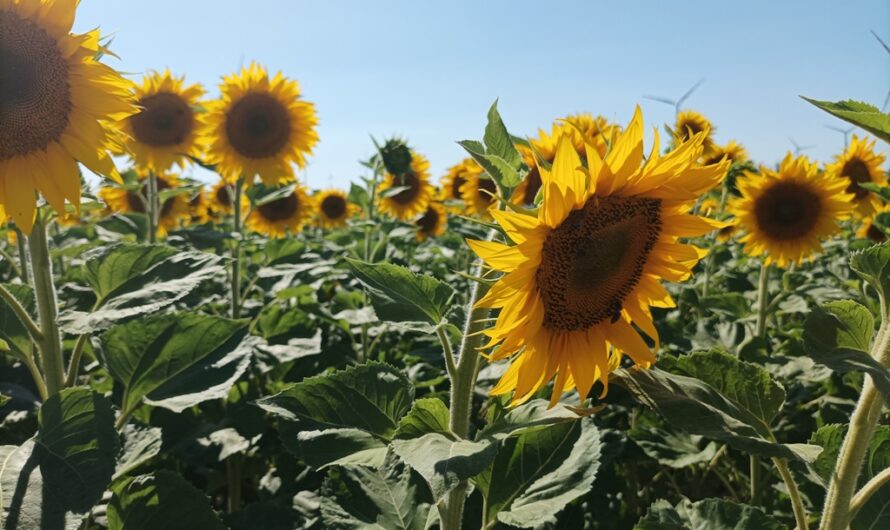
x,y
755,471
47,304
153,207
236,250
23,256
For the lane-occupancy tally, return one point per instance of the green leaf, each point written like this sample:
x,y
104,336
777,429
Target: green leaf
x,y
328,447
829,438
12,331
707,514
538,473
162,499
400,295
698,408
860,114
140,446
384,498
50,481
498,141
838,334
132,280
497,168
426,416
746,384
674,449
873,266
176,360
875,513
371,397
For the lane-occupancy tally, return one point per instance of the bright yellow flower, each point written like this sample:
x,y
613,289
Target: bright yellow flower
x,y
733,151
334,208
260,127
479,193
220,199
432,223
587,268
786,214
58,106
858,164
173,212
690,123
283,216
414,199
455,178
869,230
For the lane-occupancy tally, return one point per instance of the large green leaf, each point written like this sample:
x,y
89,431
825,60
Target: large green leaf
x,y
536,474
497,168
327,447
49,482
140,445
427,415
176,360
873,266
371,397
697,407
400,295
707,514
746,384
384,498
11,328
498,141
838,335
860,114
676,449
132,280
162,499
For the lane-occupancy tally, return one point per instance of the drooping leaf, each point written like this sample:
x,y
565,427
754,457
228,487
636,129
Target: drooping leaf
x,y
536,474
384,498
706,514
132,280
400,295
50,481
838,334
162,499
176,360
860,114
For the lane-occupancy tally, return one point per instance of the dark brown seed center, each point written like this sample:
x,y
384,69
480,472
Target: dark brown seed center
x,y
137,204
487,190
594,259
875,234
223,197
787,211
412,183
165,120
35,99
857,172
280,209
455,187
429,221
258,126
533,185
333,206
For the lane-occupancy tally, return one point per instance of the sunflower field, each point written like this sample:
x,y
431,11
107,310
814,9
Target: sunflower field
x,y
568,330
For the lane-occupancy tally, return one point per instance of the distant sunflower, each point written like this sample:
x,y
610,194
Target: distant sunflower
x,y
857,165
334,208
870,230
174,211
58,105
545,145
727,233
479,193
587,268
433,222
283,216
220,199
688,124
455,178
259,127
733,151
587,129
199,206
786,214
413,200
709,206
165,130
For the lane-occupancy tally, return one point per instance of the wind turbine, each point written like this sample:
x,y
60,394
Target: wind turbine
x,y
798,149
884,44
676,104
845,132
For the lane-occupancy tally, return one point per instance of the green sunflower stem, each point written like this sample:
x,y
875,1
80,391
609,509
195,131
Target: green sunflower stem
x,y
23,256
836,513
462,385
762,300
47,308
236,250
800,513
152,207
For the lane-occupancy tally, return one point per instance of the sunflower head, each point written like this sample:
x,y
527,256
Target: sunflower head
x,y
586,269
688,124
58,105
260,127
334,208
456,177
479,193
407,195
733,151
199,206
786,214
543,147
433,222
871,229
860,164
586,129
280,217
174,211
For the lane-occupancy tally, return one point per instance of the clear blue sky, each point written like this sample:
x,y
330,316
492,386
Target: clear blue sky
x,y
429,70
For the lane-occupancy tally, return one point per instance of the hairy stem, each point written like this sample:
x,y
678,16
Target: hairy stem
x,y
236,251
74,363
23,255
22,314
45,293
152,207
800,513
870,488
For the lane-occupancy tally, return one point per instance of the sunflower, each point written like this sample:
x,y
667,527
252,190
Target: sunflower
x,y
259,127
690,123
479,193
733,151
414,199
859,164
164,131
58,107
220,199
433,222
334,208
787,213
586,268
455,178
727,233
280,217
199,206
173,212
870,230
587,129
545,148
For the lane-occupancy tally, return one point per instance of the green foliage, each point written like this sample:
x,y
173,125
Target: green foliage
x,y
711,514
12,331
162,499
873,266
497,154
860,114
